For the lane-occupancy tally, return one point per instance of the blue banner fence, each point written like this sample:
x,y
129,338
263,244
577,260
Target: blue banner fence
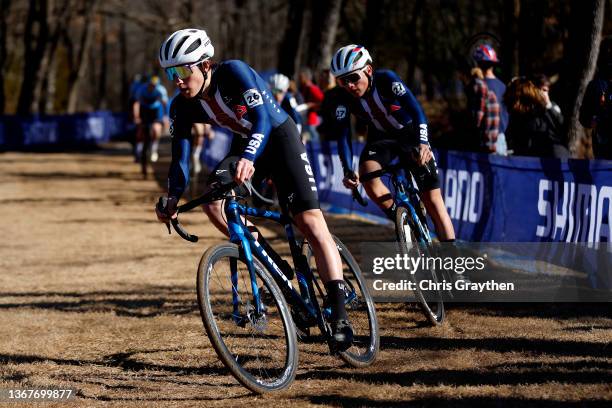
x,y
489,198
22,132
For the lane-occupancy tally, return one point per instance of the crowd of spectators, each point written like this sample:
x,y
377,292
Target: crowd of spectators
x,y
521,119
516,118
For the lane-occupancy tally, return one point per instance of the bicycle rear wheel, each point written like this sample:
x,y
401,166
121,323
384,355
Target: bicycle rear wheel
x,y
431,303
359,307
259,350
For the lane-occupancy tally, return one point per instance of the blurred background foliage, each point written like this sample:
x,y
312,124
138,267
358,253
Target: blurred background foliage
x,y
65,56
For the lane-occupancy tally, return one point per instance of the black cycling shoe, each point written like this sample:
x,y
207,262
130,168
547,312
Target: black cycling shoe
x,y
342,334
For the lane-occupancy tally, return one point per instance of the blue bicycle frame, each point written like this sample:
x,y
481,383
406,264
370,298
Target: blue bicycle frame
x,y
240,235
405,195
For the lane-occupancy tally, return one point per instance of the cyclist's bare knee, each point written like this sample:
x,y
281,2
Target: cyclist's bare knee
x,y
433,198
434,204
369,166
375,188
312,224
156,130
378,192
214,211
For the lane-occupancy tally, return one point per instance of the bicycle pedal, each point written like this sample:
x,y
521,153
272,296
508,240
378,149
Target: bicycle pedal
x,y
335,348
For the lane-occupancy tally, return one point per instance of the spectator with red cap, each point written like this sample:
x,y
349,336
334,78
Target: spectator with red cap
x,y
486,102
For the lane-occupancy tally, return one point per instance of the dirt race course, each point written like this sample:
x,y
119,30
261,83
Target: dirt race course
x,y
96,296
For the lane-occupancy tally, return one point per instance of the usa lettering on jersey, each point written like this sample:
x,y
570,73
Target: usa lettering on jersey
x,y
308,169
252,98
254,143
423,132
398,88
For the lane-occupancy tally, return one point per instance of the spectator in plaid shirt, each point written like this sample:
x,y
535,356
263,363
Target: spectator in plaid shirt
x,y
485,98
485,113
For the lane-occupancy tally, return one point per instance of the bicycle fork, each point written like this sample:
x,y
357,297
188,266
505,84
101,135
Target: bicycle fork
x,y
257,310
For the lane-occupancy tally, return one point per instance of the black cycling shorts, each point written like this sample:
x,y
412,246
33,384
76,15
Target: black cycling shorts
x,y
385,151
150,116
285,161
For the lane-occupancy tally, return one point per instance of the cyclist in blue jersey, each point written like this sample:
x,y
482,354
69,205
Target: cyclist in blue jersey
x,y
134,86
396,125
279,84
149,108
232,95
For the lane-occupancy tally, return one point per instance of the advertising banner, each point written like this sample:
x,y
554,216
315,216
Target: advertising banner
x,y
81,128
500,199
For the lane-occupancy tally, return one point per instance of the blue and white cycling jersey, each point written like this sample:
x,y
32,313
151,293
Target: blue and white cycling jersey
x,y
154,98
237,99
388,107
134,87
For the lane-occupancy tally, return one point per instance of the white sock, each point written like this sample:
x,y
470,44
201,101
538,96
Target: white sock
x,y
154,146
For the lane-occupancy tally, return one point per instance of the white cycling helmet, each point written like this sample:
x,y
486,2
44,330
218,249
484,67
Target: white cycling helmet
x,y
349,59
280,82
184,47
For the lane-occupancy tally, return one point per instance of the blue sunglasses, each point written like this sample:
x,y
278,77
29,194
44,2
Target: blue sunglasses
x,y
181,72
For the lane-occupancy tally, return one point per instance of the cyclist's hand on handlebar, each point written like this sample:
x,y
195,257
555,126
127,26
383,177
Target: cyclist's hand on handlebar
x,y
351,180
166,209
425,154
244,170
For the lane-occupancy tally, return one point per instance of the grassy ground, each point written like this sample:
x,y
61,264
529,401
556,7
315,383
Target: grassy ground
x,y
95,295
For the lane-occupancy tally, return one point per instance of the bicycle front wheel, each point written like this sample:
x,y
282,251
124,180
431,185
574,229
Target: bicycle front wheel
x,y
431,303
359,308
259,349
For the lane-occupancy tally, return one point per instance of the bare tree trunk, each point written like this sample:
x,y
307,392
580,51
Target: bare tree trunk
x,y
325,19
58,18
35,37
5,6
532,43
80,63
580,61
50,88
289,46
426,37
413,57
346,22
101,100
372,23
510,49
39,83
123,58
